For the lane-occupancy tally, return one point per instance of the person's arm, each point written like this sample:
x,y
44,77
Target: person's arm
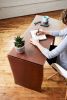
x,y
62,32
53,33
55,52
41,32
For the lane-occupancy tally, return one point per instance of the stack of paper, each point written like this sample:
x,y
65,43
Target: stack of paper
x,y
37,37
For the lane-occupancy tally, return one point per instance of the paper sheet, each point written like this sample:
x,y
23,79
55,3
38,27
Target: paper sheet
x,y
37,37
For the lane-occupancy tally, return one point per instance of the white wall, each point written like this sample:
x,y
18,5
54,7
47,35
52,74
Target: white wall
x,y
13,8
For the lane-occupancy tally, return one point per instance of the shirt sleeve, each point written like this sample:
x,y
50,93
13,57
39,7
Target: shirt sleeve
x,y
59,32
55,33
55,52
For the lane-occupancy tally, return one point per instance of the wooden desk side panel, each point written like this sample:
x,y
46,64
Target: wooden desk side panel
x,y
26,73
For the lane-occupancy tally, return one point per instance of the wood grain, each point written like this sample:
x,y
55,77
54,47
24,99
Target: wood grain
x,y
10,28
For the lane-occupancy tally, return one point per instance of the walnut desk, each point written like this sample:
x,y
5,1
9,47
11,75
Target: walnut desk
x,y
27,68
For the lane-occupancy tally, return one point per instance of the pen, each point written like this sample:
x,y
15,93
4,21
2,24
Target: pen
x,y
37,22
37,32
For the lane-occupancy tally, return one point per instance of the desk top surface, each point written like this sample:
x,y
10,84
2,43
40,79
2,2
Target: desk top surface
x,y
32,53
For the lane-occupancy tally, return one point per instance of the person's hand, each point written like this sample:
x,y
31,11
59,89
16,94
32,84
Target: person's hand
x,y
41,32
34,42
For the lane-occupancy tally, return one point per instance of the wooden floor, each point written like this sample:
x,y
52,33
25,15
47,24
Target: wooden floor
x,y
52,90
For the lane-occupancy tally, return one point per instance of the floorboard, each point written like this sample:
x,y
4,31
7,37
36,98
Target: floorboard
x,y
52,90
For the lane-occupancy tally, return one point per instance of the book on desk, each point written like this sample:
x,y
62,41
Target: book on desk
x,y
37,37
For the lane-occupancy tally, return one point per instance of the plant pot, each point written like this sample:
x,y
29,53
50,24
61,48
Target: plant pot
x,y
20,49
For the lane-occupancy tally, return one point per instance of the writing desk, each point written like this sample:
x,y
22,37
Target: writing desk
x,y
27,68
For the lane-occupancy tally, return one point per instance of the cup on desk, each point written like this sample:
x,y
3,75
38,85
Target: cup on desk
x,y
45,21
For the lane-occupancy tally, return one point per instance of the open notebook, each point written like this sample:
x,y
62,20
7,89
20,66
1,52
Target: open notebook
x,y
37,37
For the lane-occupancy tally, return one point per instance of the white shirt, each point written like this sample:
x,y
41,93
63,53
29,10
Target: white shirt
x,y
60,50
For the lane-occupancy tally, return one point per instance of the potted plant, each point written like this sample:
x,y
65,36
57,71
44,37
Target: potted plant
x,y
19,44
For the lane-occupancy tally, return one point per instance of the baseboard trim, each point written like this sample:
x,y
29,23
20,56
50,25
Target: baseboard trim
x,y
21,10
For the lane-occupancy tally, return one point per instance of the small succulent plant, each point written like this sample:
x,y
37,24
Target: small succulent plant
x,y
19,42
